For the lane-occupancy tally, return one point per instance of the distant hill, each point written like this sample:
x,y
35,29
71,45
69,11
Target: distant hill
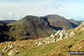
x,y
52,42
58,44
60,21
33,27
30,27
6,21
75,22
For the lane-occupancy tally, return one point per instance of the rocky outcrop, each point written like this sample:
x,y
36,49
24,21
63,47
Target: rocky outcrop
x,y
72,34
10,50
58,36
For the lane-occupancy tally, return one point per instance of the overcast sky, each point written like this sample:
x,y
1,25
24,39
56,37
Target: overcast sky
x,y
16,9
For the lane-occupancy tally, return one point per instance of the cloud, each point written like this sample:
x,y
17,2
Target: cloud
x,y
9,10
16,9
12,0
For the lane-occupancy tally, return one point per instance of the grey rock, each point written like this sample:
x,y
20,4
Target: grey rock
x,y
11,53
4,49
72,34
10,46
16,51
39,43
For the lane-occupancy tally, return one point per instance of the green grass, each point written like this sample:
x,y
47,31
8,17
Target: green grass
x,y
61,50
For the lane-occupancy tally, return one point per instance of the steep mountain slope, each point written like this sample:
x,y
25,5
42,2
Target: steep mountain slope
x,y
59,21
74,42
74,22
33,27
30,26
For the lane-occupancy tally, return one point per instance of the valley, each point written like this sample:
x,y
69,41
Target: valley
x,y
51,35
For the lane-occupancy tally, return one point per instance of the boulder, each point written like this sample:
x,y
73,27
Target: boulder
x,y
44,41
72,34
10,46
4,49
52,36
39,43
11,53
58,32
61,36
16,51
36,43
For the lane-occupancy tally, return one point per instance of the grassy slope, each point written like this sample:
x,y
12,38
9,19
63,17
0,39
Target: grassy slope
x,y
59,48
17,30
20,28
54,49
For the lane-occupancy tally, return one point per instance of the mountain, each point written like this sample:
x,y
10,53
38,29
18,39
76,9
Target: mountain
x,y
60,21
30,27
75,23
33,27
6,21
78,22
41,37
59,43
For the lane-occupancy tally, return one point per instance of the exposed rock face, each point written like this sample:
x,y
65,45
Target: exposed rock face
x,y
11,53
72,34
58,36
10,50
39,43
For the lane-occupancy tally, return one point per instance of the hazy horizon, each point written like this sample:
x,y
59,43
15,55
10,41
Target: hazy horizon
x,y
17,9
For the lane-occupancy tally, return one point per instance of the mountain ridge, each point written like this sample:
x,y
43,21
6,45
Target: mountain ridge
x,y
58,44
33,27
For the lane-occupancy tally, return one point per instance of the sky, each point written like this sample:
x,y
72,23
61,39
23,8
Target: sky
x,y
17,9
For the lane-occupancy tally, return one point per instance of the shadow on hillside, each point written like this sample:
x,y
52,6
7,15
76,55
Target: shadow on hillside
x,y
74,25
4,37
53,27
